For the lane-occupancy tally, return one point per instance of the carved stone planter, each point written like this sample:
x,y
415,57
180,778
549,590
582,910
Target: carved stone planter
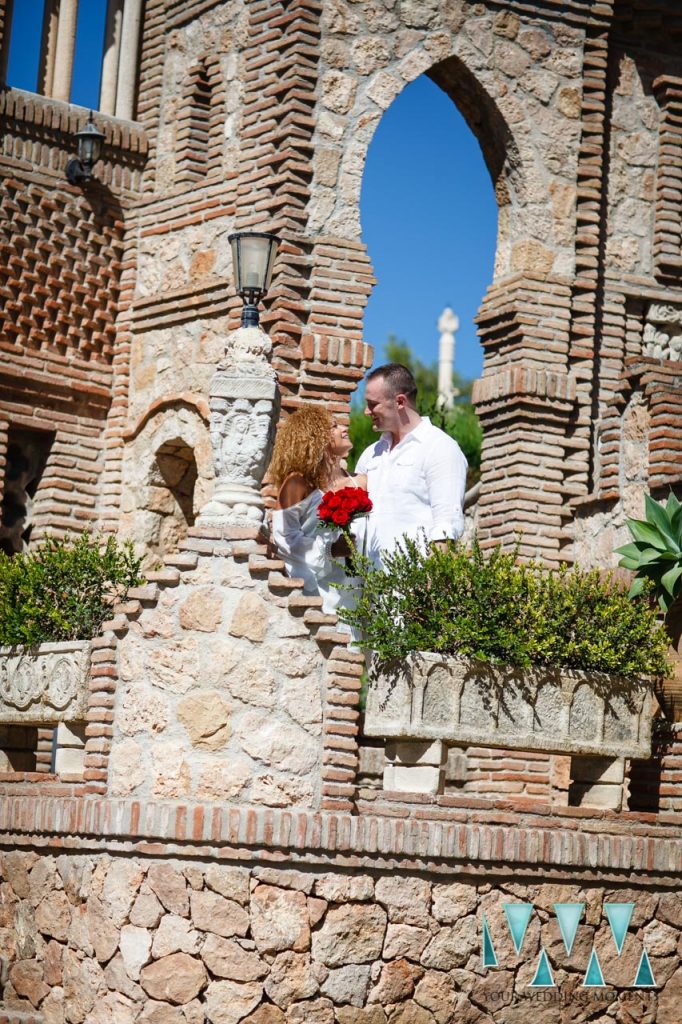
x,y
44,685
467,703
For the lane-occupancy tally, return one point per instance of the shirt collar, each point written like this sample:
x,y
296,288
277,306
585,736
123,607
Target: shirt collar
x,y
418,434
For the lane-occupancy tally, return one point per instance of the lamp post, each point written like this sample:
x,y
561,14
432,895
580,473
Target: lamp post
x,y
90,140
253,257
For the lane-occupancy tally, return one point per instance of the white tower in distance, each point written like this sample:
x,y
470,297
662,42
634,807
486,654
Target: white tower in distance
x,y
448,325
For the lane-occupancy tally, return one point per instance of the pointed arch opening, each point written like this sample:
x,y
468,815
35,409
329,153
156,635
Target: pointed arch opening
x,y
434,194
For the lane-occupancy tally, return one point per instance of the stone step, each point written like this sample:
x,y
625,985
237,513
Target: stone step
x,y
130,608
315,617
163,576
150,592
332,636
182,560
278,581
259,564
299,602
246,550
115,625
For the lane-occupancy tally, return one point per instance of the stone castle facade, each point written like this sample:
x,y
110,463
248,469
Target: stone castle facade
x,y
219,845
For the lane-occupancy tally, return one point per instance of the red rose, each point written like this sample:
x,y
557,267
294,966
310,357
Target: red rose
x,y
339,508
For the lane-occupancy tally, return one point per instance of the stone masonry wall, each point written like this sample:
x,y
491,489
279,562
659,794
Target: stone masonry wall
x,y
219,695
115,940
219,680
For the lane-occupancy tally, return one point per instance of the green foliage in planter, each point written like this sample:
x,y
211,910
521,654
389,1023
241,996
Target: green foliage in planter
x,y
63,589
655,553
485,605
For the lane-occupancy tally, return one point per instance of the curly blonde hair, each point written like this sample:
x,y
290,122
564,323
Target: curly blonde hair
x,y
302,446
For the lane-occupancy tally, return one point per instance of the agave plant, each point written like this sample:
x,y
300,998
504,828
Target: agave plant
x,y
655,553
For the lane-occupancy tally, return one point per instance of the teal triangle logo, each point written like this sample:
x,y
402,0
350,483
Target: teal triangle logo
x,y
543,973
568,916
645,976
518,916
619,915
593,976
489,955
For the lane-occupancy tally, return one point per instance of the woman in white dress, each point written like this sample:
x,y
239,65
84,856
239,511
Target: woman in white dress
x,y
306,463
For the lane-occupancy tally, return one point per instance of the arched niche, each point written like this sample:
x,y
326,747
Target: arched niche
x,y
168,470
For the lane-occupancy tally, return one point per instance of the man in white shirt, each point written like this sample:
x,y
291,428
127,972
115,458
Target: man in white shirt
x,y
416,473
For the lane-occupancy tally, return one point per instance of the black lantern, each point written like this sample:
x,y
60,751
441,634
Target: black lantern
x,y
253,257
90,140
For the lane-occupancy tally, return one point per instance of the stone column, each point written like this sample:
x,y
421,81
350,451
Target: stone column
x,y
64,50
110,60
448,325
127,65
48,47
244,402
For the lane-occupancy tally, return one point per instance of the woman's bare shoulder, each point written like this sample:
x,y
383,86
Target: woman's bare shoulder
x,y
294,489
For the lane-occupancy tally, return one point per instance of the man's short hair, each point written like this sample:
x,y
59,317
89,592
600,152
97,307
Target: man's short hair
x,y
398,379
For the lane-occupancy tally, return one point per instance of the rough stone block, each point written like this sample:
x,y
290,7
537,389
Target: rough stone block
x,y
415,779
605,796
407,753
69,761
598,769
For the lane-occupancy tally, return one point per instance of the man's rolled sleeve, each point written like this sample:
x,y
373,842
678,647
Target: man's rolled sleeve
x,y
446,473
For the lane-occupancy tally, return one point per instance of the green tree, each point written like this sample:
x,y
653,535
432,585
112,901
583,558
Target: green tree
x,y
460,422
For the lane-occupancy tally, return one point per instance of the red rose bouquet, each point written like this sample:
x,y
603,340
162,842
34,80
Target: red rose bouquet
x,y
338,509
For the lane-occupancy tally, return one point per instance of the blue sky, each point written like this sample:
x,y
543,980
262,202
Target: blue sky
x,y
429,220
24,51
428,211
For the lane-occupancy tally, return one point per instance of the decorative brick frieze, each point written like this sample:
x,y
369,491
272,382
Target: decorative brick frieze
x,y
30,122
591,180
180,12
668,225
660,384
67,252
579,841
524,328
150,79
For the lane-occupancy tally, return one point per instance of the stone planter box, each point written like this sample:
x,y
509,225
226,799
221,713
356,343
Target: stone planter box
x,y
467,703
44,685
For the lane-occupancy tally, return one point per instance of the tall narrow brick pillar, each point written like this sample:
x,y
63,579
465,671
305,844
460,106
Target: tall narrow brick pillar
x,y
526,402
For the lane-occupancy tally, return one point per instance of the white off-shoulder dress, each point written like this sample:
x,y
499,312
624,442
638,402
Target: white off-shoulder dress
x,y
306,551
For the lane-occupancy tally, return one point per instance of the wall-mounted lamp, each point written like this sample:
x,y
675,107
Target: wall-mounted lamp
x,y
90,140
253,257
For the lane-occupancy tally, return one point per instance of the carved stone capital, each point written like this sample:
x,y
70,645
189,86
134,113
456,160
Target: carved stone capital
x,y
662,338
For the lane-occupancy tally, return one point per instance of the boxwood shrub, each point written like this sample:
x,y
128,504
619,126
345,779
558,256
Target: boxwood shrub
x,y
63,589
484,604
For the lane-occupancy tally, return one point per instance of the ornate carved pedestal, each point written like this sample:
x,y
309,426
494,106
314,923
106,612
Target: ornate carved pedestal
x,y
244,402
